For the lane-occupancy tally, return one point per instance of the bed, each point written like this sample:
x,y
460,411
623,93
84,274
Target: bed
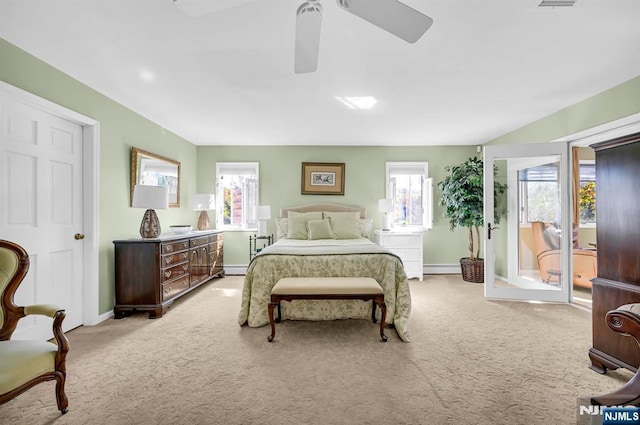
x,y
304,247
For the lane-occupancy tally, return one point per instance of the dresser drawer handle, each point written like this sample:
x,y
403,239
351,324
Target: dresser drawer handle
x,y
185,244
167,274
167,260
185,267
168,248
167,289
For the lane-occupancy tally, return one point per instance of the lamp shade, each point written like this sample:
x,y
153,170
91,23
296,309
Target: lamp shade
x,y
264,212
150,197
385,205
204,202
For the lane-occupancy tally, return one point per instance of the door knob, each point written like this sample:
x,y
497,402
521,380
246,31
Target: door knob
x,y
79,236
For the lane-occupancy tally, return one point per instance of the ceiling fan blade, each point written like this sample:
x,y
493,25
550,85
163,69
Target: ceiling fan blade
x,y
307,37
390,15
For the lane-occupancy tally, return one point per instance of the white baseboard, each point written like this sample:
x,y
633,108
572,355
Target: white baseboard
x,y
235,270
101,318
441,269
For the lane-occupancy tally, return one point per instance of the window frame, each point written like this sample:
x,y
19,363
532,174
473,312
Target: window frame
x,y
523,194
249,206
427,191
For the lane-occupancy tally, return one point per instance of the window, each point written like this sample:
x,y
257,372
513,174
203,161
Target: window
x,y
236,195
540,194
410,188
587,192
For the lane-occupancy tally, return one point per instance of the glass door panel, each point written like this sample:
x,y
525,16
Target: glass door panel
x,y
526,256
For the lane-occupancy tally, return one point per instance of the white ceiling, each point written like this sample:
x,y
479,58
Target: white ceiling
x,y
484,68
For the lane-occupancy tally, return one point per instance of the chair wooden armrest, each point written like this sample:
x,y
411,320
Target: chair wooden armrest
x,y
625,320
57,314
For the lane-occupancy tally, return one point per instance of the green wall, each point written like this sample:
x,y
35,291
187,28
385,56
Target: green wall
x,y
280,184
120,129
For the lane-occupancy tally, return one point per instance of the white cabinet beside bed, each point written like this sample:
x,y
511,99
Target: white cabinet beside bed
x,y
405,244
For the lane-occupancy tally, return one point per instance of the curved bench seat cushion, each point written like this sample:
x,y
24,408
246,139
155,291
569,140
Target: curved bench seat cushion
x,y
326,285
24,360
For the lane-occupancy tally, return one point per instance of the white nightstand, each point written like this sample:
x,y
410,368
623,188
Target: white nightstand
x,y
405,244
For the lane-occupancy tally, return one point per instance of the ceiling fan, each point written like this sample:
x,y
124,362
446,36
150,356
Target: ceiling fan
x,y
389,15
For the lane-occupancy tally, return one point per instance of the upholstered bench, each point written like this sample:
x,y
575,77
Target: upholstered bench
x,y
327,288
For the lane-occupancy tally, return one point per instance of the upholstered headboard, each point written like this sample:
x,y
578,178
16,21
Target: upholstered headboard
x,y
328,206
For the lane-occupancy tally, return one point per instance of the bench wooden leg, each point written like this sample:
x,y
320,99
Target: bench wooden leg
x,y
373,311
383,309
272,305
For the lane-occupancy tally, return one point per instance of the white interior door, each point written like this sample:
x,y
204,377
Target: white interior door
x,y
523,263
41,192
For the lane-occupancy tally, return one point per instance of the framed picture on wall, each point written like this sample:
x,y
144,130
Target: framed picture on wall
x,y
323,178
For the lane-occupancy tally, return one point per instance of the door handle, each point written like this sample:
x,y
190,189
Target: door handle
x,y
489,229
78,236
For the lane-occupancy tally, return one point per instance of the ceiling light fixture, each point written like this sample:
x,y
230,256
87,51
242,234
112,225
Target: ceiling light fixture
x,y
557,3
358,102
146,75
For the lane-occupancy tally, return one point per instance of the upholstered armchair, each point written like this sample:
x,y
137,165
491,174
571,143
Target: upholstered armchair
x,y
25,363
547,243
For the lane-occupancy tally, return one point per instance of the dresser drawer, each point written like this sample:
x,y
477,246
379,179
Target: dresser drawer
x,y
413,269
215,244
407,254
174,271
401,241
169,259
169,248
199,241
215,255
173,288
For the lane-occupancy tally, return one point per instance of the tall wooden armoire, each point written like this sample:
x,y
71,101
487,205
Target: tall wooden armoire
x,y
618,248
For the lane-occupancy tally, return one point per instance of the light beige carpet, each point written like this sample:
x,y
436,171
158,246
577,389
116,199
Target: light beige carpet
x,y
472,361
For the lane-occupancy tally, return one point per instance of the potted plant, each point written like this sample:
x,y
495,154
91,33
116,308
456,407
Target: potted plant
x,y
462,191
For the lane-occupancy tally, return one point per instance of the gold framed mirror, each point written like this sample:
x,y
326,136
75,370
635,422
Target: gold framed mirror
x,y
154,170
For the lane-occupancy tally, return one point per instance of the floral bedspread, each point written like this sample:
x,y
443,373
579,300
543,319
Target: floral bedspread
x,y
332,260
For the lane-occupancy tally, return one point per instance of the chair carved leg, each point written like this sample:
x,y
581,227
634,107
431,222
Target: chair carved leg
x,y
61,397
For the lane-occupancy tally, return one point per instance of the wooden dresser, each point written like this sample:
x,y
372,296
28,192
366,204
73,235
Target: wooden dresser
x,y
618,236
152,273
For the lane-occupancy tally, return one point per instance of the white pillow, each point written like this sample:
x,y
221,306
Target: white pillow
x,y
282,225
366,228
345,225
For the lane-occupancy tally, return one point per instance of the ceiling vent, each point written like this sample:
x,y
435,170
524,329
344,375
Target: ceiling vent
x,y
557,3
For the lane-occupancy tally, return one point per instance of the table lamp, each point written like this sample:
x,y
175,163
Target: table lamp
x,y
152,198
204,202
264,214
386,206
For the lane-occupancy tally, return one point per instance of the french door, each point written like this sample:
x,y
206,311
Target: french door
x,y
527,255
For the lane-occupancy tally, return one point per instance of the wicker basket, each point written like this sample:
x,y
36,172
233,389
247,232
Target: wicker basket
x,y
472,270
